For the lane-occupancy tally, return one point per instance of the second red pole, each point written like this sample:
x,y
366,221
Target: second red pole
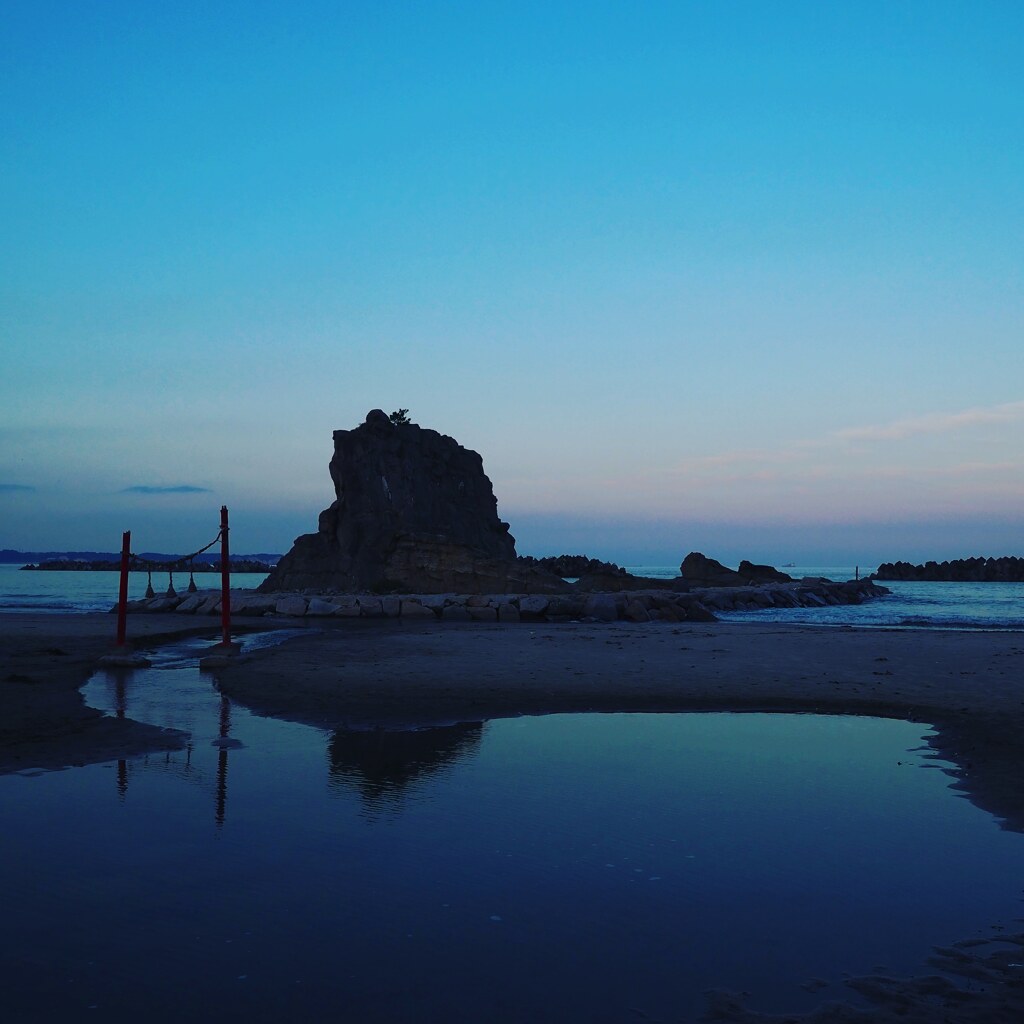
x,y
122,596
225,578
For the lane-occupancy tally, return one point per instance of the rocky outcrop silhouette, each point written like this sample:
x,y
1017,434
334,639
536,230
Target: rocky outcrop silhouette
x,y
700,571
753,573
414,513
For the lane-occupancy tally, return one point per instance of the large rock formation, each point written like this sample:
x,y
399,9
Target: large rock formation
x,y
415,513
700,571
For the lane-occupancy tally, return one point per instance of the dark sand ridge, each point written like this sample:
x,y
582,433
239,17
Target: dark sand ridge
x,y
970,686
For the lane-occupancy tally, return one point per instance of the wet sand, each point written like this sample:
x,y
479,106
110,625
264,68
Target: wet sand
x,y
968,685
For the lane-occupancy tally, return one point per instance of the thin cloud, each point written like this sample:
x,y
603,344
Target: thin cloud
x,y
935,423
847,473
795,452
16,489
178,489
962,469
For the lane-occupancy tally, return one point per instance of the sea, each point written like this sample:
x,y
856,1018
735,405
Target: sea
x,y
68,593
909,605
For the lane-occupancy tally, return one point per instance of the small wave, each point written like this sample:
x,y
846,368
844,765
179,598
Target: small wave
x,y
886,614
920,622
21,604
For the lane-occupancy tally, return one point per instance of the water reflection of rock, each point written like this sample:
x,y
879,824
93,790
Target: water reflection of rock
x,y
382,764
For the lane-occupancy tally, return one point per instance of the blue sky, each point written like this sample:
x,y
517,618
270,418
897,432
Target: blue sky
x,y
739,277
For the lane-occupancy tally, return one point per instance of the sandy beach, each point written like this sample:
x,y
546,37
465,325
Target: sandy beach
x,y
968,685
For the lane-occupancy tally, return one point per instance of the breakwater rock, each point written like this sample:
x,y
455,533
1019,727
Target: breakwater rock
x,y
414,512
653,604
573,566
1008,569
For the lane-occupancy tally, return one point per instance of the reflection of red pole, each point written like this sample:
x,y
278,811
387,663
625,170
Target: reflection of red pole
x,y
122,598
225,578
222,763
221,799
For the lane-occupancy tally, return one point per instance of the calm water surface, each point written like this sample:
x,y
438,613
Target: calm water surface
x,y
564,868
61,593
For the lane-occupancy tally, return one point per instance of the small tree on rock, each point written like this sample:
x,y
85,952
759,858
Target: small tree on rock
x,y
399,416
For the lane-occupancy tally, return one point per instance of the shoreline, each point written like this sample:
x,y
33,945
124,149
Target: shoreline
x,y
967,684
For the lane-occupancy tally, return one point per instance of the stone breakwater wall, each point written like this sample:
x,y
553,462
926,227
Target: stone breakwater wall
x,y
632,606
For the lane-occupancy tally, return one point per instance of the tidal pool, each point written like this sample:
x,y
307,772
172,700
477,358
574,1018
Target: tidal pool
x,y
595,868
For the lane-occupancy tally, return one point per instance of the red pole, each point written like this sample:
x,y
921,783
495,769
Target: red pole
x,y
122,598
225,578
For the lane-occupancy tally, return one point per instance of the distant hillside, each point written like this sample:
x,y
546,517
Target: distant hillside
x,y
8,556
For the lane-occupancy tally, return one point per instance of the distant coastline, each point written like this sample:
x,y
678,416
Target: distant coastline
x,y
238,563
9,556
1006,569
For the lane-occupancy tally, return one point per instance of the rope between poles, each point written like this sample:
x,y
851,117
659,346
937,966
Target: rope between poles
x,y
185,562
